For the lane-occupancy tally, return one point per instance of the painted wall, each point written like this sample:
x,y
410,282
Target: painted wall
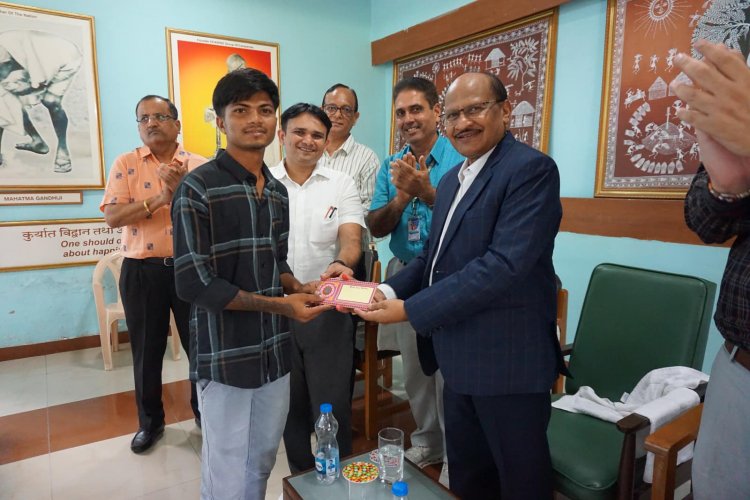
x,y
390,16
576,101
321,42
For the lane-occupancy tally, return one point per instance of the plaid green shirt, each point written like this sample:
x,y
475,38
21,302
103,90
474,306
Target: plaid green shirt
x,y
716,221
226,239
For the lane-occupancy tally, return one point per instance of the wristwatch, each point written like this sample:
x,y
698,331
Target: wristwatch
x,y
727,197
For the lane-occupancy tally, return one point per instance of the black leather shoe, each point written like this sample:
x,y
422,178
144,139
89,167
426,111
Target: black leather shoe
x,y
144,439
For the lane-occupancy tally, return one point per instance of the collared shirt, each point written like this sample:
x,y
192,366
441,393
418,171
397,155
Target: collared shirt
x,y
227,238
716,221
360,163
317,208
442,158
466,175
132,178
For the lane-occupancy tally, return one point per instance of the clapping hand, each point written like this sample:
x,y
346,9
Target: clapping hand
x,y
718,106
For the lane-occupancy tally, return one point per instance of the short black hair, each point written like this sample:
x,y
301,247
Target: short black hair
x,y
301,108
420,85
172,107
242,84
497,87
341,86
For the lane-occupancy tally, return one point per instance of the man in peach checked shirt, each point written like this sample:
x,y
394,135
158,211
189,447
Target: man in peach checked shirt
x,y
138,195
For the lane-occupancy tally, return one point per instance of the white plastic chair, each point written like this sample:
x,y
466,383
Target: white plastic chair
x,y
109,314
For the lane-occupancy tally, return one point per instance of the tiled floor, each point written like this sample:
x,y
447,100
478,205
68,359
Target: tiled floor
x,y
66,426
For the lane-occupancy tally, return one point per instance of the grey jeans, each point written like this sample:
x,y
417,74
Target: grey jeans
x,y
241,434
721,465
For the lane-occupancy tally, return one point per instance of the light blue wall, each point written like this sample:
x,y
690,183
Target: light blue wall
x,y
321,42
573,143
390,16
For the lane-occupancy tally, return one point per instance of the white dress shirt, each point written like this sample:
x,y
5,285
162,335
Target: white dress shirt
x,y
360,162
317,208
466,176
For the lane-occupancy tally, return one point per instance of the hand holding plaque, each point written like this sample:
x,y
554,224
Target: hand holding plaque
x,y
350,294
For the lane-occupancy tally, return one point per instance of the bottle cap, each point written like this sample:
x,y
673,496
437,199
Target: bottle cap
x,y
400,489
326,408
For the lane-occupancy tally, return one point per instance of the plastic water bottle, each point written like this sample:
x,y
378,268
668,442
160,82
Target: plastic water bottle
x,y
327,451
400,490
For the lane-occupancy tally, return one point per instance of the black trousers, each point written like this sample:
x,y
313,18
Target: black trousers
x,y
148,293
497,445
322,360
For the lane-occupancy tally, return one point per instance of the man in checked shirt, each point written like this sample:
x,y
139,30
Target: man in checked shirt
x,y
717,208
231,230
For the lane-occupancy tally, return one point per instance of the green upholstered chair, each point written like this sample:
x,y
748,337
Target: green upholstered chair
x,y
632,321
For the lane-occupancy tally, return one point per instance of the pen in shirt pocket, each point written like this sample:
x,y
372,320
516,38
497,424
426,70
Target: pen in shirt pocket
x,y
330,213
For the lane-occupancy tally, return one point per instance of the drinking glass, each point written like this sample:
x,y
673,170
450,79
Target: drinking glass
x,y
391,454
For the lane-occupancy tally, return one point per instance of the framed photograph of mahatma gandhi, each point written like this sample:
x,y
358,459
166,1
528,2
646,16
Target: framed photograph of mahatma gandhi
x,y
645,151
196,62
50,131
521,54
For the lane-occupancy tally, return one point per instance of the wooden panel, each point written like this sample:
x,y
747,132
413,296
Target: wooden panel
x,y
661,220
472,18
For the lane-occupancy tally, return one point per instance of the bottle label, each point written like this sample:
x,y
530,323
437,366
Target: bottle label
x,y
332,467
320,464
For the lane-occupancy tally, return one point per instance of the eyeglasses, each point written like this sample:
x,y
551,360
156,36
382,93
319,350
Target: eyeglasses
x,y
473,111
158,117
332,109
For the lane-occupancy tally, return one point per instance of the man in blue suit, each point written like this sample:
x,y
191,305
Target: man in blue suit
x,y
482,298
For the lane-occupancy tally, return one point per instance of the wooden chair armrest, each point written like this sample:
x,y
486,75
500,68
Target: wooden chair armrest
x,y
676,434
665,443
632,423
629,426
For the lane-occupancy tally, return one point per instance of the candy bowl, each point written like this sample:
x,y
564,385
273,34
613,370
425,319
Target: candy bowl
x,y
359,475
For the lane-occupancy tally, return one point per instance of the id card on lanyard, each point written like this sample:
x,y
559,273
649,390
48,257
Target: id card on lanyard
x,y
414,224
415,221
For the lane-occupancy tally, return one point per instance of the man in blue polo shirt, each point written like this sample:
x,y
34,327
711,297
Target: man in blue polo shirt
x,y
402,208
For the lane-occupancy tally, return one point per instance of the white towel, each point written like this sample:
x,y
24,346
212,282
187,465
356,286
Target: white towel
x,y
664,410
662,394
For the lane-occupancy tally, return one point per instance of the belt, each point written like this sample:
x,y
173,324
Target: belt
x,y
162,261
741,356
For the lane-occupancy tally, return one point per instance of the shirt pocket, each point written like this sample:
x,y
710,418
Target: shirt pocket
x,y
324,231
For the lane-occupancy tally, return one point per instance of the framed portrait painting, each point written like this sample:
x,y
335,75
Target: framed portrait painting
x,y
197,61
521,54
644,150
50,131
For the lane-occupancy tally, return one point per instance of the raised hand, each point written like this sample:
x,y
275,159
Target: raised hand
x,y
718,106
171,175
410,180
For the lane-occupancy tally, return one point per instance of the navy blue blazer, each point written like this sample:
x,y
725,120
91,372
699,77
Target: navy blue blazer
x,y
488,320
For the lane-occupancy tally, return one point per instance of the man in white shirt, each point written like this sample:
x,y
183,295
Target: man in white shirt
x,y
325,231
